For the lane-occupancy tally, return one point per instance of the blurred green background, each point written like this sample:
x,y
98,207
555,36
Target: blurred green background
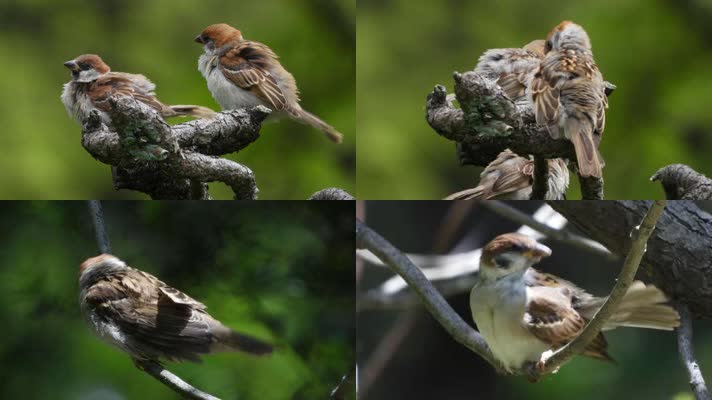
x,y
43,156
406,354
657,52
281,271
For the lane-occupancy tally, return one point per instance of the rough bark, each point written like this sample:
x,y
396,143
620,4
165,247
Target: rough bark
x,y
679,255
488,122
331,194
681,182
173,162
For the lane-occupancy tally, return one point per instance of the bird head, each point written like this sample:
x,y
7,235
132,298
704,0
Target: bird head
x,y
103,260
218,35
569,33
87,68
509,254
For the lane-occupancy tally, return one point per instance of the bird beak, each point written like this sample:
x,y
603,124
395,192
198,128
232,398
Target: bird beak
x,y
72,65
198,39
540,251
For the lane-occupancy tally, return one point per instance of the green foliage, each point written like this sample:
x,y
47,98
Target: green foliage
x,y
281,271
656,52
43,153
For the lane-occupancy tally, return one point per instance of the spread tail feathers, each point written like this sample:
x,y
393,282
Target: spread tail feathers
x,y
191,111
229,340
587,157
642,307
313,120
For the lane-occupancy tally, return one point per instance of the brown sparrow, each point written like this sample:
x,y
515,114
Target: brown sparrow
x,y
568,93
510,177
242,73
147,319
522,313
93,84
513,69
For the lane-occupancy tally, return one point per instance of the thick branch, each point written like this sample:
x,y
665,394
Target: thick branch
x,y
681,182
146,153
541,178
638,244
432,300
679,257
687,355
331,194
489,122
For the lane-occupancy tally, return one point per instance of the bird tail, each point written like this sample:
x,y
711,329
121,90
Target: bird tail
x,y
311,119
191,111
467,194
580,134
643,307
229,340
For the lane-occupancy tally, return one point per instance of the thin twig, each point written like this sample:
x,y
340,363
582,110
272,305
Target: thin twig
x,y
639,235
560,235
687,354
150,367
541,178
173,381
97,217
431,298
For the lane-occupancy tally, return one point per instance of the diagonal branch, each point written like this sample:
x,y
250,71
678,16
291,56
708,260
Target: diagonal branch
x,y
431,298
150,367
687,354
639,235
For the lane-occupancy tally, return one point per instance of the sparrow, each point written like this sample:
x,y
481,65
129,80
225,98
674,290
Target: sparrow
x,y
681,182
149,320
512,68
93,84
242,73
510,177
567,94
522,313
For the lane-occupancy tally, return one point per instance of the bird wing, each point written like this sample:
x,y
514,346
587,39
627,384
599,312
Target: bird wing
x,y
546,101
115,84
507,173
550,317
246,65
160,321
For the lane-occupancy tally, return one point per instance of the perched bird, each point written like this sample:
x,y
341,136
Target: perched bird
x,y
510,177
150,320
513,69
93,84
522,313
568,94
681,182
241,73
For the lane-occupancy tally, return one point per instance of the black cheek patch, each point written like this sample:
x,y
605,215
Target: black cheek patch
x,y
503,262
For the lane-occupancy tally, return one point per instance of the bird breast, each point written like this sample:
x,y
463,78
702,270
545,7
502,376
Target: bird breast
x,y
498,310
226,93
78,103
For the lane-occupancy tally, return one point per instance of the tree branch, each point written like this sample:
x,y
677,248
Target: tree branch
x,y
150,367
148,155
432,300
638,245
687,354
541,178
331,194
681,182
489,122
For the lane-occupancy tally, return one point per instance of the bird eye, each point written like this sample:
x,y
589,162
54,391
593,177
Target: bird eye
x,y
548,46
502,261
83,66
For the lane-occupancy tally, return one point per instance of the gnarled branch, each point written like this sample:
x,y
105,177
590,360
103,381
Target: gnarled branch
x,y
173,162
489,122
331,194
681,182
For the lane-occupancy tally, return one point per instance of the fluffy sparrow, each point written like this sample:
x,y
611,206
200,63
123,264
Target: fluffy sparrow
x,y
93,84
568,94
148,319
242,73
512,68
510,177
522,312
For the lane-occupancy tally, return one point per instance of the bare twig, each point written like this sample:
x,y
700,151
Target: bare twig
x,y
150,367
97,217
541,178
561,235
639,235
431,298
173,381
687,354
